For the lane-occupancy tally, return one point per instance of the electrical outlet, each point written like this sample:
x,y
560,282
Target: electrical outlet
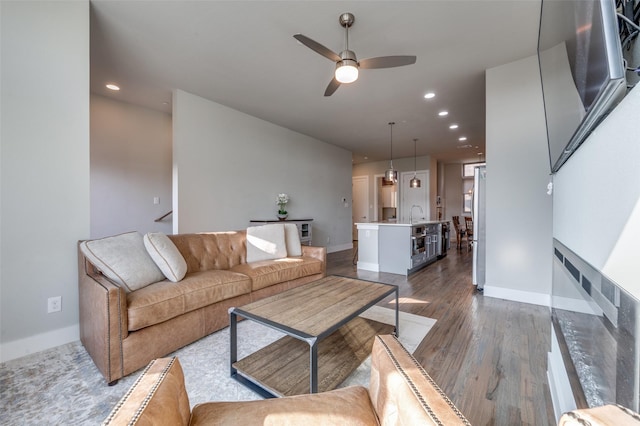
x,y
54,304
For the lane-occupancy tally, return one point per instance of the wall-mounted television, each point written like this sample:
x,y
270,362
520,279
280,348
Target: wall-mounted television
x,y
582,70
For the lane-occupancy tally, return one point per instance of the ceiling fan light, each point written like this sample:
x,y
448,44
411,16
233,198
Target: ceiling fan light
x,y
347,71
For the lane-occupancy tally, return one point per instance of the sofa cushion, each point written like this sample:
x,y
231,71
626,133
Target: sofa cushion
x,y
292,240
345,406
266,242
211,250
165,300
166,255
123,259
269,272
403,393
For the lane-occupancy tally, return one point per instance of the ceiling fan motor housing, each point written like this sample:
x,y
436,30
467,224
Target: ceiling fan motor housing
x,y
348,55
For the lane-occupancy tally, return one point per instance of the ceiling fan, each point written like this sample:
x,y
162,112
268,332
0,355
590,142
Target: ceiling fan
x,y
346,63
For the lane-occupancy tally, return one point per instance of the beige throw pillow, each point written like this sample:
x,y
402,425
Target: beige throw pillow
x,y
292,239
166,256
123,259
266,242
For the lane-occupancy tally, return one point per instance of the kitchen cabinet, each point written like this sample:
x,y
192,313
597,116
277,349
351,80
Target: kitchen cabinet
x,y
389,196
430,235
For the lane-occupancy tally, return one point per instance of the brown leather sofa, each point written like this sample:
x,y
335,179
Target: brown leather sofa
x,y
400,393
123,331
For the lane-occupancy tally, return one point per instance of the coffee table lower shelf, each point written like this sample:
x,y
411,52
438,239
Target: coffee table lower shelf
x,y
282,368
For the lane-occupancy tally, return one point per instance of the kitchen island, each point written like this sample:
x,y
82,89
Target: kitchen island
x,y
401,248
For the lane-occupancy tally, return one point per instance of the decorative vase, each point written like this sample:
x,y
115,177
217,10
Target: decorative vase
x,y
282,216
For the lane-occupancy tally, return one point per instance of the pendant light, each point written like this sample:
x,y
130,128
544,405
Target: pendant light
x,y
391,175
415,182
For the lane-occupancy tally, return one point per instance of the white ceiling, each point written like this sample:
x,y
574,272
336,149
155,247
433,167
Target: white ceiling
x,y
242,54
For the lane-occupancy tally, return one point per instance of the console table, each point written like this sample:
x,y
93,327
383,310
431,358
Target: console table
x,y
304,227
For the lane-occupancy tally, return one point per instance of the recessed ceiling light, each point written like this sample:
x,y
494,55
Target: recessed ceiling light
x,y
462,138
366,158
112,86
453,126
443,113
429,95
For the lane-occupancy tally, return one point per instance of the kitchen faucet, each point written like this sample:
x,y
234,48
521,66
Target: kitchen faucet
x,y
411,212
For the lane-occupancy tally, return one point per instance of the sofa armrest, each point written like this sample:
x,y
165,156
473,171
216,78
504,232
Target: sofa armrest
x,y
605,415
403,393
319,253
158,397
103,319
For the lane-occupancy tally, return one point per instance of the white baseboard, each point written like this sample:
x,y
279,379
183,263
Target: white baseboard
x,y
38,343
340,247
518,295
367,266
576,305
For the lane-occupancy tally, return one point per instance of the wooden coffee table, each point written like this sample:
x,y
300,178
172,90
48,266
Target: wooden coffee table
x,y
320,310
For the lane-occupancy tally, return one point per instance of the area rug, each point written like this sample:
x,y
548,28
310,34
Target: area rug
x,y
63,386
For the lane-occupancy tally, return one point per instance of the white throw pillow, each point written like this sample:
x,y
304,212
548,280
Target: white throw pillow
x,y
166,255
266,242
123,259
292,239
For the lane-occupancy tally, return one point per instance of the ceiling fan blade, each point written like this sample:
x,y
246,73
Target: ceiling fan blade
x,y
332,87
387,62
314,45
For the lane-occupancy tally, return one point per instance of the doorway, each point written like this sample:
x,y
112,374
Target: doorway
x,y
360,202
386,199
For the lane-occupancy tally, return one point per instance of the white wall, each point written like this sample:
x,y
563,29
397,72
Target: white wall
x,y
597,197
130,165
452,196
519,212
44,170
229,168
433,188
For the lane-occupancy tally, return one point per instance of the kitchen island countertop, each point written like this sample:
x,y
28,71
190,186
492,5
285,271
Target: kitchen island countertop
x,y
415,222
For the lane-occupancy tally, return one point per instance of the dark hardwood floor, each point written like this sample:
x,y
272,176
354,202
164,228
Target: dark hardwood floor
x,y
488,355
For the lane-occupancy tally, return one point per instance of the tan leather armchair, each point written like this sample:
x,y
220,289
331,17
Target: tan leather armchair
x,y
400,392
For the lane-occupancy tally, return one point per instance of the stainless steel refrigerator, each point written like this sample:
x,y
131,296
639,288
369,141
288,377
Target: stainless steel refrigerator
x,y
479,226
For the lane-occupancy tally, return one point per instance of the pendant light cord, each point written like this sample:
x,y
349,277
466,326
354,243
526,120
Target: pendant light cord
x,y
414,157
391,137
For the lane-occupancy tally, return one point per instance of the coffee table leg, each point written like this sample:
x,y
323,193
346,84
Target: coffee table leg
x,y
233,332
397,333
313,371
